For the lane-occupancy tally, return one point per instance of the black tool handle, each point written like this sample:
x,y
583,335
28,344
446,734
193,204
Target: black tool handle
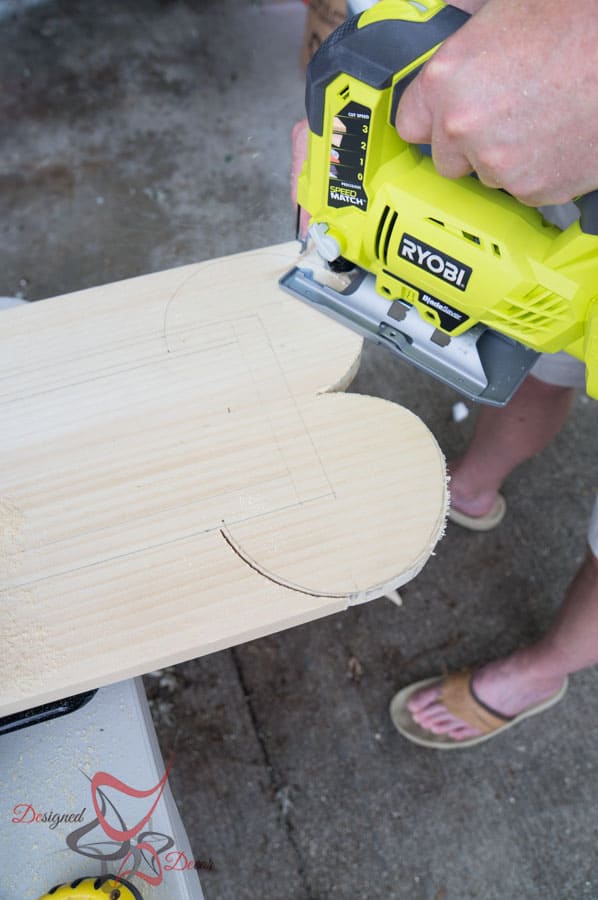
x,y
374,54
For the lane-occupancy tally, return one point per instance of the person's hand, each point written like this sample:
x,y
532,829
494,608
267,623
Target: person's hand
x,y
298,156
513,96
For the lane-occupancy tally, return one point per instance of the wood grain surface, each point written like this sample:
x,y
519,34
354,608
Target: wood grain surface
x,y
180,474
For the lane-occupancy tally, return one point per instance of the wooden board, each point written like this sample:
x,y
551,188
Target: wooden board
x,y
177,477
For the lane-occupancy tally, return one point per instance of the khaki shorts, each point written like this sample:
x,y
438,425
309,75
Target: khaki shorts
x,y
560,368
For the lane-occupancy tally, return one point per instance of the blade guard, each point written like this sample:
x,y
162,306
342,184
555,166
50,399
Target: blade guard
x,y
481,364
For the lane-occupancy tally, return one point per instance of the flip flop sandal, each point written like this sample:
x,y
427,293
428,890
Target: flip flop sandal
x,y
481,523
458,697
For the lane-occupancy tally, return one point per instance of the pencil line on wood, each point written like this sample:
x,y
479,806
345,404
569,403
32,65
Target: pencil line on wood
x,y
291,587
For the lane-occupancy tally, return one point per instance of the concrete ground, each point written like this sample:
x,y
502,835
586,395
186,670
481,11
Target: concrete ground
x,y
141,135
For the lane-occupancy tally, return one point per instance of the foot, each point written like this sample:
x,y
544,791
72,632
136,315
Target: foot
x,y
507,686
476,502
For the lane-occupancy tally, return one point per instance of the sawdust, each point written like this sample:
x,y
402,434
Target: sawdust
x,y
11,536
29,653
322,273
24,640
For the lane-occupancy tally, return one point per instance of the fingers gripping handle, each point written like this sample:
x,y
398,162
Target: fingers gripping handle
x,y
438,30
385,40
376,45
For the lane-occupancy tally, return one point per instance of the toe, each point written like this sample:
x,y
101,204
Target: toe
x,y
436,719
422,699
431,715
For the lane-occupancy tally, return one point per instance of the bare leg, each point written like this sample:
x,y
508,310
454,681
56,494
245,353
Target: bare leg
x,y
503,439
534,673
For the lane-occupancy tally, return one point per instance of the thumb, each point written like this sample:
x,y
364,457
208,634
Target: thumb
x,y
299,137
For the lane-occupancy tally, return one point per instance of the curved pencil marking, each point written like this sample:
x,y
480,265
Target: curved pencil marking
x,y
286,584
